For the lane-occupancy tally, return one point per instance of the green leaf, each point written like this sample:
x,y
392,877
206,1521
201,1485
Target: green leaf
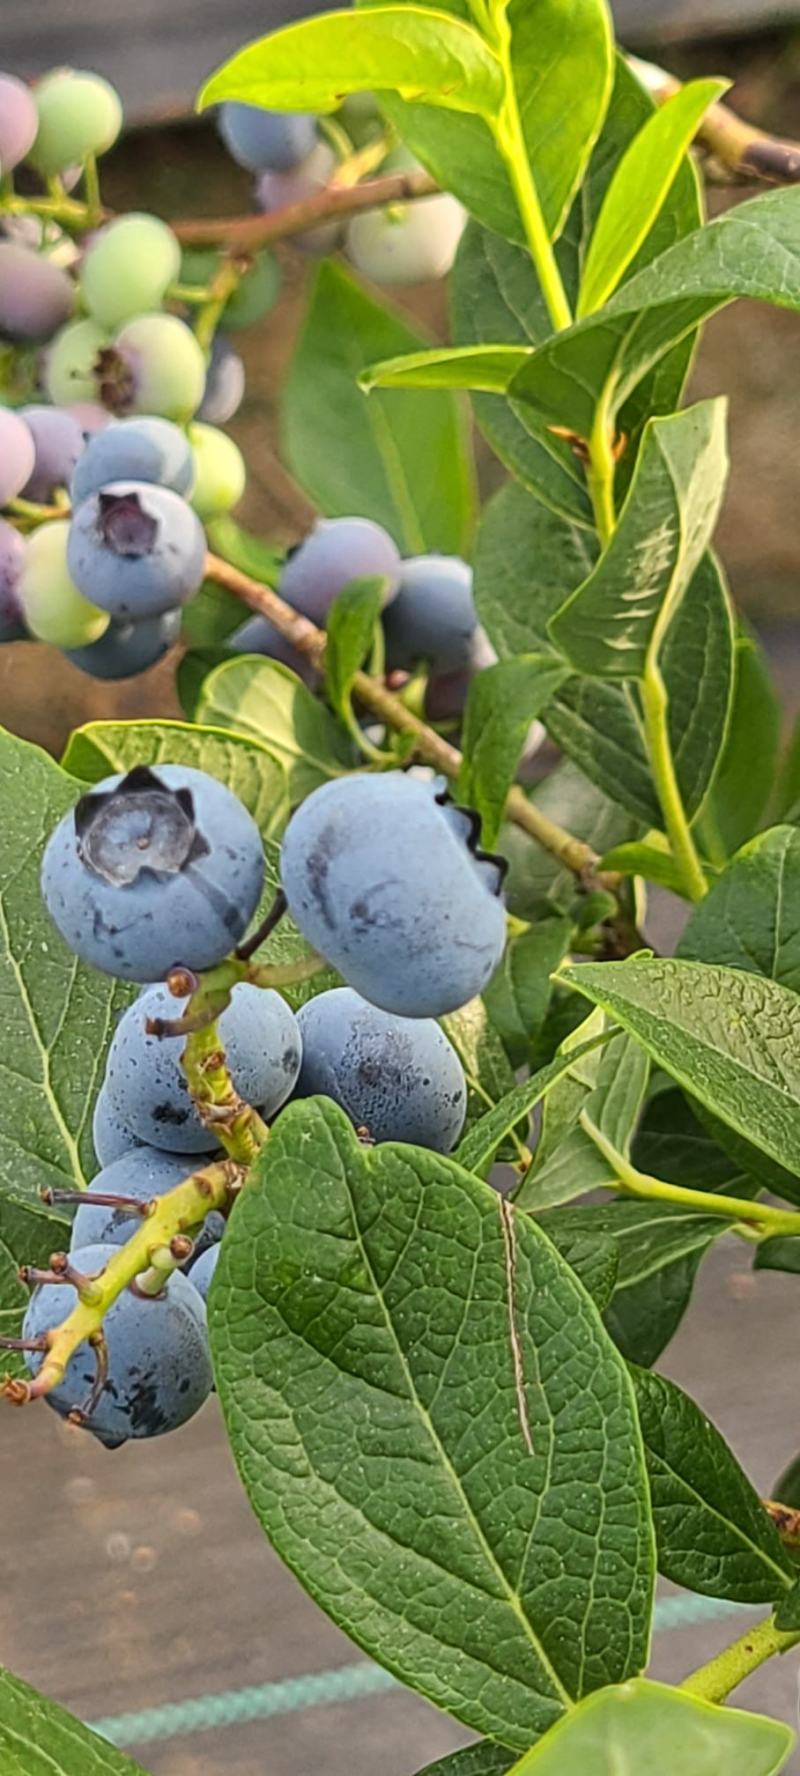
x,y
731,1039
191,673
37,1738
27,1236
648,860
787,1614
58,1016
415,51
640,186
614,624
264,702
482,1056
351,629
478,1147
211,616
609,1084
526,558
536,884
644,1726
502,702
751,250
402,460
448,367
745,777
780,1253
562,65
257,776
483,1759
712,1532
751,918
251,554
495,296
381,1460
519,992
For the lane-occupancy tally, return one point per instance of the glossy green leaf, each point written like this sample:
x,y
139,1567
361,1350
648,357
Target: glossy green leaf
x,y
351,630
383,1462
561,59
751,250
780,1253
640,186
448,367
502,703
254,773
58,1015
519,992
787,1614
479,1146
495,296
712,1532
265,702
483,1759
536,884
745,778
37,1738
191,673
526,558
609,1085
644,1726
609,625
751,918
731,1039
402,460
415,51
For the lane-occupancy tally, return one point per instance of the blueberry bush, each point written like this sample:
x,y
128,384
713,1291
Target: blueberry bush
x,y
337,1070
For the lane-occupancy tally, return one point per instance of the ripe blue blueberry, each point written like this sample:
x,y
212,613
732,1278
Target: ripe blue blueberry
x,y
384,879
58,442
142,449
144,1174
259,636
258,139
140,547
111,1137
145,1083
152,869
397,1077
432,618
127,649
336,551
203,1268
159,1369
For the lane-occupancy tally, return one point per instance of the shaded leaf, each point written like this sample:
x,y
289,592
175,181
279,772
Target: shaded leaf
x,y
401,460
712,1532
745,777
478,1147
502,703
536,883
38,1736
483,1759
351,629
263,701
256,775
519,992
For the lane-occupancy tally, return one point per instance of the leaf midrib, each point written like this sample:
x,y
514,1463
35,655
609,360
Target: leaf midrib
x,y
714,1511
512,1597
46,1087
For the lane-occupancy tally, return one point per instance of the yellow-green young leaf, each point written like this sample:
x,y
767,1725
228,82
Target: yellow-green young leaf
x,y
256,774
643,1726
655,863
609,625
261,701
37,1738
502,702
487,367
731,1039
561,65
415,51
351,629
401,459
382,1456
640,187
752,250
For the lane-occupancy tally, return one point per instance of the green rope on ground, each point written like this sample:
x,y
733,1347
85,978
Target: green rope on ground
x,y
315,1689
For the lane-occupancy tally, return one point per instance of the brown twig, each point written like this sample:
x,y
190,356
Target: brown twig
x,y
786,1520
245,233
429,746
749,152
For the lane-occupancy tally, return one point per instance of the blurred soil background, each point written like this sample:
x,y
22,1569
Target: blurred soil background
x,y
141,1578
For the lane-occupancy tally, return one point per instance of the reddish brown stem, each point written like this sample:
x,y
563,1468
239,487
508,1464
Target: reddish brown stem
x,y
244,233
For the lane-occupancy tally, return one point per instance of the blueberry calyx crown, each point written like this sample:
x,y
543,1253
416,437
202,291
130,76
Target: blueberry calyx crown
x,y
472,833
141,826
124,526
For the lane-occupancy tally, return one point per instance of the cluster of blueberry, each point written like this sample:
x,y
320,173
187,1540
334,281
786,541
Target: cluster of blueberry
x,y
171,856
399,244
